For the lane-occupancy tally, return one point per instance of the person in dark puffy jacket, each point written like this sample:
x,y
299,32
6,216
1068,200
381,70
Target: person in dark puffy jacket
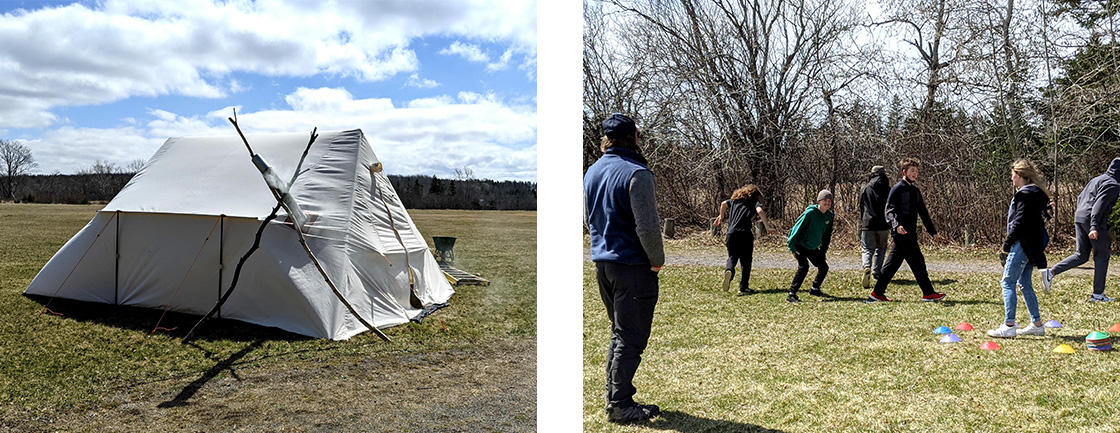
x,y
739,212
874,232
1025,246
1094,205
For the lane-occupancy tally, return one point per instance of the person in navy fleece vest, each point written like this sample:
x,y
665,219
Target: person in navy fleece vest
x,y
626,247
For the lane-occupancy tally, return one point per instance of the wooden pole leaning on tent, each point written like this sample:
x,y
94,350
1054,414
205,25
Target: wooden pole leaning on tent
x,y
288,203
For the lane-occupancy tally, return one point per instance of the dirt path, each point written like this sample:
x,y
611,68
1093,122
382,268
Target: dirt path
x,y
487,387
843,261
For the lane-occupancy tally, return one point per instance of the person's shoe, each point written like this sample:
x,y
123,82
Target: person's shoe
x,y
793,298
933,297
1100,298
745,291
1003,331
630,414
816,292
728,274
874,297
1030,329
652,408
866,279
1047,279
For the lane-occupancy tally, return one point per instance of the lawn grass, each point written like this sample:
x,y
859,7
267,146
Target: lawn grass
x,y
80,360
717,362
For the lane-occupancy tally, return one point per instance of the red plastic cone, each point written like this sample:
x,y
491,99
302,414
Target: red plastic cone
x,y
991,345
964,327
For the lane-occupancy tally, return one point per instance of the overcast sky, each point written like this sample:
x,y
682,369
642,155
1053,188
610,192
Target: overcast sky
x,y
435,85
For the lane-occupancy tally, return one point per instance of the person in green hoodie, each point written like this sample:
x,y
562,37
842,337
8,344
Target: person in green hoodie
x,y
808,241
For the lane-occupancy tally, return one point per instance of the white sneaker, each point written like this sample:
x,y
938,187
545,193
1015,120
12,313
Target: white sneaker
x,y
1047,279
1030,329
1100,298
1003,331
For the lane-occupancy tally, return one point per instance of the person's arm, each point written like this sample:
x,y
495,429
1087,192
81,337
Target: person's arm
x,y
890,211
722,213
826,238
1015,223
795,232
1102,208
924,213
643,202
762,218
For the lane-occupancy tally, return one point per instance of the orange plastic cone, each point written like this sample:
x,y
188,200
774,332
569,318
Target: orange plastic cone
x,y
964,327
1114,328
991,345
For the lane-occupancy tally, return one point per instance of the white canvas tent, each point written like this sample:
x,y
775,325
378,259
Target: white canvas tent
x,y
174,233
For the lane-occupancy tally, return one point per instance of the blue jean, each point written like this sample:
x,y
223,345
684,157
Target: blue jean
x,y
1018,271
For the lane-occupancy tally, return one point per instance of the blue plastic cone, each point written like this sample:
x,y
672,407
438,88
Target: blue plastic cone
x,y
942,330
951,338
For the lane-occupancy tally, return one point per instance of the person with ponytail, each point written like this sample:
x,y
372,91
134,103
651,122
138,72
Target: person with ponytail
x,y
739,212
1025,246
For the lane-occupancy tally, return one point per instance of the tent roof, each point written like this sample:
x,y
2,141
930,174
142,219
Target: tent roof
x,y
223,179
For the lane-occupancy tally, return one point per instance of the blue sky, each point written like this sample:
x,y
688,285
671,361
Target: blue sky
x,y
435,85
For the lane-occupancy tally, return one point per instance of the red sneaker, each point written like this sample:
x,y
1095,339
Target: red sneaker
x,y
878,298
933,297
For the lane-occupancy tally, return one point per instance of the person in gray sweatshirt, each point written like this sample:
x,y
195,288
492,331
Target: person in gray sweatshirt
x,y
1094,205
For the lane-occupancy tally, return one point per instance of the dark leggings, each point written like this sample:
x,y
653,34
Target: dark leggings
x,y
740,248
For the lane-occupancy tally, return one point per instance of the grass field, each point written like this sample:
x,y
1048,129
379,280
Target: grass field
x,y
92,368
717,362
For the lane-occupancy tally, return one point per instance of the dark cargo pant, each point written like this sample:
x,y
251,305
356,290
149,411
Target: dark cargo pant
x,y
630,293
1101,251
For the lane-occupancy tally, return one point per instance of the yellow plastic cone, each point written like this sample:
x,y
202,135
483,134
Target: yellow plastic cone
x,y
1065,348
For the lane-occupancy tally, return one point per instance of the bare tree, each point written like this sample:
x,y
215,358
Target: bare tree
x,y
17,162
743,77
134,166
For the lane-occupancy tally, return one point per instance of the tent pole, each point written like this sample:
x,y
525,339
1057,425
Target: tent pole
x,y
117,263
303,243
221,255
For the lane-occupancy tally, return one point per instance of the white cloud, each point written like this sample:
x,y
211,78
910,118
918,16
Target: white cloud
x,y
495,138
414,80
77,55
467,51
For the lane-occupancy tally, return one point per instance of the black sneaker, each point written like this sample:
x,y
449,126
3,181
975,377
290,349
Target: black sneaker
x,y
816,292
745,291
793,298
631,414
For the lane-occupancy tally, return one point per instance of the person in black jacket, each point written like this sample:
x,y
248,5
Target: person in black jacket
x,y
739,212
1025,246
874,231
904,206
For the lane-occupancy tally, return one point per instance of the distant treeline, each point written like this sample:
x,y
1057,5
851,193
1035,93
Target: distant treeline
x,y
416,192
430,192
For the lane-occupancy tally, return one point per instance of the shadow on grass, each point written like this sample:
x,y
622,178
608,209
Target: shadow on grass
x,y
683,422
173,324
226,364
